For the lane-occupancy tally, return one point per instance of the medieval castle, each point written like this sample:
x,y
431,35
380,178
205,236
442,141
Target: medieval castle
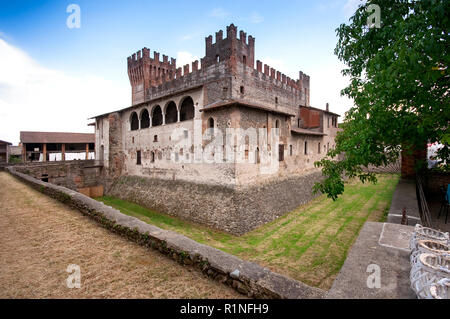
x,y
222,124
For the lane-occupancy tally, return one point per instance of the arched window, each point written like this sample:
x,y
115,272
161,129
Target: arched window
x,y
211,125
171,113
145,119
187,109
157,116
134,121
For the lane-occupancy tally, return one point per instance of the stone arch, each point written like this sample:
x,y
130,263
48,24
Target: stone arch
x,y
157,117
187,110
171,112
134,121
145,119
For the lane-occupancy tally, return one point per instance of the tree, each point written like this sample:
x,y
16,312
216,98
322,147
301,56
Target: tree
x,y
399,81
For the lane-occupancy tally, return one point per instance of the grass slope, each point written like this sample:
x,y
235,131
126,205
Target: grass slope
x,y
309,244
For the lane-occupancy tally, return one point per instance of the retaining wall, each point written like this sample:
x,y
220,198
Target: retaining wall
x,y
236,210
246,277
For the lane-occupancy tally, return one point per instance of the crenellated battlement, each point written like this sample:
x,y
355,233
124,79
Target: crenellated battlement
x,y
301,85
144,54
238,49
234,50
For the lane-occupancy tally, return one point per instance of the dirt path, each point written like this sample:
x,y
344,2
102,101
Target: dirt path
x,y
40,237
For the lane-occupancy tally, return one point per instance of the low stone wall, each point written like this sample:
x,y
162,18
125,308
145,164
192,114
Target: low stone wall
x,y
405,197
246,277
82,176
233,210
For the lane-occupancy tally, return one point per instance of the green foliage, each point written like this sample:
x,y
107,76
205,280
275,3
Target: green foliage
x,y
399,81
13,159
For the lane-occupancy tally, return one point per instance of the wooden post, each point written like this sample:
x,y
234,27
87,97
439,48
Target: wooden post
x,y
24,153
44,151
63,150
87,151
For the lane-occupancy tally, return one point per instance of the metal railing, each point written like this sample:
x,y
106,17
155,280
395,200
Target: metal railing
x,y
423,206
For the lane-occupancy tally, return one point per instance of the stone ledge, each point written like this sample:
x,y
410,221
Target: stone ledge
x,y
246,277
404,197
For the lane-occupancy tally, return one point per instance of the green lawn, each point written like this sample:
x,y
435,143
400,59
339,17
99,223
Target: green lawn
x,y
309,244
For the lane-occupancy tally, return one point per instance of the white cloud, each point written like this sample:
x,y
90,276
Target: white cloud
x,y
219,13
350,7
255,17
33,97
184,57
326,83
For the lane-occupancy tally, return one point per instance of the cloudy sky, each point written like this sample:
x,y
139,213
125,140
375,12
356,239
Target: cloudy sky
x,y
53,78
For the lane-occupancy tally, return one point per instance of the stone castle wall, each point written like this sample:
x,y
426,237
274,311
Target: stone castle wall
x,y
236,210
82,176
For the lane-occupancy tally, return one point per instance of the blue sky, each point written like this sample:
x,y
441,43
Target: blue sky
x,y
88,65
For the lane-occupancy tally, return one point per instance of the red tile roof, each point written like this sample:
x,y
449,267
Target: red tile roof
x,y
56,137
5,142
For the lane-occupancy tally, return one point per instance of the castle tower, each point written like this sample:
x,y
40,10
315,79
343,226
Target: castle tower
x,y
145,72
303,84
231,47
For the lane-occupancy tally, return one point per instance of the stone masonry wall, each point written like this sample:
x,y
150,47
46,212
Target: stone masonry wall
x,y
234,210
75,175
246,277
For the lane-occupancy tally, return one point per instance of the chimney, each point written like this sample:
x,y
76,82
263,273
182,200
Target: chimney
x,y
327,107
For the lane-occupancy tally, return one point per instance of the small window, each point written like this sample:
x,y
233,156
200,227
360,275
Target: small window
x,y
298,122
328,147
138,158
281,152
155,138
258,160
328,124
244,59
318,148
276,100
211,126
132,140
242,90
217,59
306,148
290,150
152,157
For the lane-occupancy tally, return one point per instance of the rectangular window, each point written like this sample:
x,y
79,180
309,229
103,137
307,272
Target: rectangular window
x,y
138,158
328,122
290,150
318,148
155,138
306,148
281,152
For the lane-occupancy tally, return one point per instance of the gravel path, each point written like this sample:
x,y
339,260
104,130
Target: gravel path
x,y
40,237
